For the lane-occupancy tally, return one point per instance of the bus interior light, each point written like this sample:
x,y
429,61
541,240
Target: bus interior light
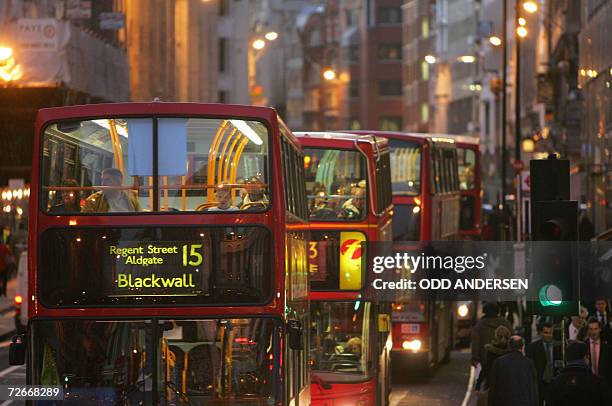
x,y
247,131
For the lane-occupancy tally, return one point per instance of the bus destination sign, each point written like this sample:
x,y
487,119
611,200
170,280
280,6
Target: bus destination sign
x,y
157,268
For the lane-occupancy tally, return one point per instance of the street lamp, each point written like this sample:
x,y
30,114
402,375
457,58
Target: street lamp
x,y
259,44
430,59
530,6
329,74
271,36
521,31
495,41
467,59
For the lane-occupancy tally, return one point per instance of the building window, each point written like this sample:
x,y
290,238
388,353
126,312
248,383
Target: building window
x,y
425,28
389,52
224,7
424,70
390,88
354,124
389,15
222,55
352,17
354,89
390,124
353,53
424,113
222,96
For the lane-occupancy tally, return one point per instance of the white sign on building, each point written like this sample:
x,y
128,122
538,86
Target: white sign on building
x,y
37,34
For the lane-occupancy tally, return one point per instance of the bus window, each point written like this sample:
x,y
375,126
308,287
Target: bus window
x,y
406,222
88,358
220,359
405,164
341,337
109,164
467,168
335,184
383,196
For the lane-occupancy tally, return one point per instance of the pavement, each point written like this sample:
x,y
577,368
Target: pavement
x,y
7,311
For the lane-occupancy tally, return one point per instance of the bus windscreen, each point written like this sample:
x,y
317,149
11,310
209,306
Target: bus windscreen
x,y
155,266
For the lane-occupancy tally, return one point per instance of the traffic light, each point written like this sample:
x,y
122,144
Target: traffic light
x,y
554,225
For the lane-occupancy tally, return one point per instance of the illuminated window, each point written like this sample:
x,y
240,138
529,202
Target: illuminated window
x,y
425,27
424,70
424,112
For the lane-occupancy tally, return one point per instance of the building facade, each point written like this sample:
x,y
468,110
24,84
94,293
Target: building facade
x,y
594,79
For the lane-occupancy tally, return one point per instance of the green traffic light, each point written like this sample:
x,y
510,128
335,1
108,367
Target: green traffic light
x,y
550,295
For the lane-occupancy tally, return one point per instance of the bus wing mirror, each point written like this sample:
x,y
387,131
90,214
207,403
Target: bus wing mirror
x,y
296,333
384,323
17,350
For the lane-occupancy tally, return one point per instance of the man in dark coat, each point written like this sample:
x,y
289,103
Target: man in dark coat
x,y
484,331
543,353
599,351
513,378
576,385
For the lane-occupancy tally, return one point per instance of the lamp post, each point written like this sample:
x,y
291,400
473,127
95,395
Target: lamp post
x,y
257,45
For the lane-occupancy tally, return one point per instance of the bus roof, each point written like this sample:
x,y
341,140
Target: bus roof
x,y
340,139
170,108
420,138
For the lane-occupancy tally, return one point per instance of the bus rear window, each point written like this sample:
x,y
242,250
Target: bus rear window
x,y
155,266
405,167
108,165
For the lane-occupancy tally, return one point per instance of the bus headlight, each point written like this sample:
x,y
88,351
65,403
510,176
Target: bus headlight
x,y
412,345
463,310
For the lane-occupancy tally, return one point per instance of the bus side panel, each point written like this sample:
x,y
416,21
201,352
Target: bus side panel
x,y
297,376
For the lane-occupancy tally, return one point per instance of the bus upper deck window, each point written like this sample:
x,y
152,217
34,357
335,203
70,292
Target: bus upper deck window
x,y
106,165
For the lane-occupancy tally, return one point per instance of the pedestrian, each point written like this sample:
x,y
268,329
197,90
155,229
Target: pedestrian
x,y
484,331
543,353
602,315
513,378
575,384
600,355
496,348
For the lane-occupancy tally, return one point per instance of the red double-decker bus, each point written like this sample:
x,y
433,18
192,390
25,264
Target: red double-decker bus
x,y
349,194
425,187
470,186
168,250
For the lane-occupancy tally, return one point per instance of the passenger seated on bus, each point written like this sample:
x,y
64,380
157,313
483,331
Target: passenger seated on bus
x,y
321,208
255,197
353,208
223,195
353,346
71,200
112,200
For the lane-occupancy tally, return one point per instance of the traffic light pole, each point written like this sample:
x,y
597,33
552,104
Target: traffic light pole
x,y
504,141
517,121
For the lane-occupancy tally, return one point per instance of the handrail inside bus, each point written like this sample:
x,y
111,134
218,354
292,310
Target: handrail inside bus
x,y
162,187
